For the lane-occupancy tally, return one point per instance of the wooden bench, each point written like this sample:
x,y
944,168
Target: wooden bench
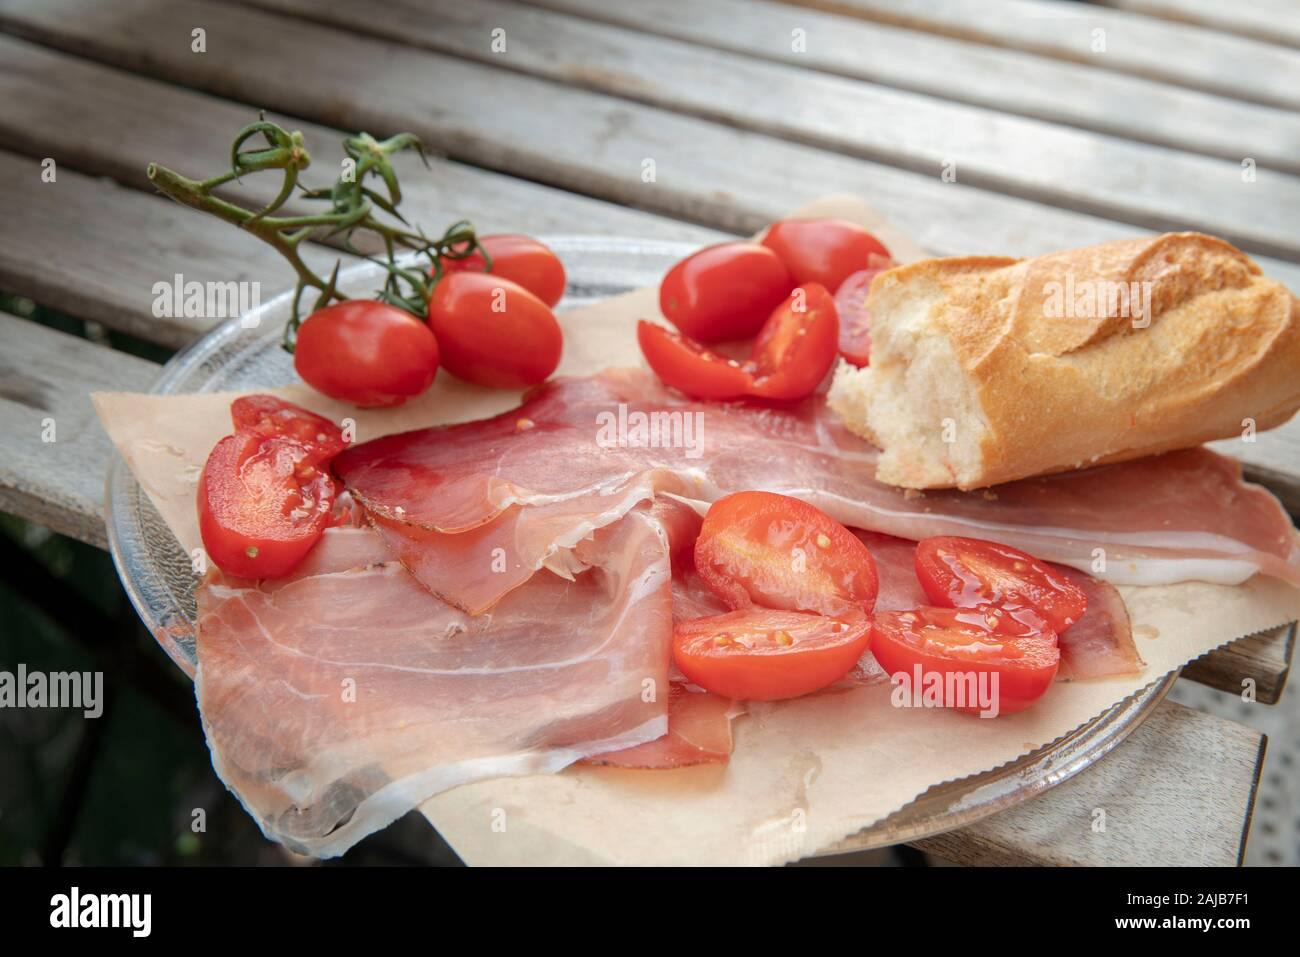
x,y
1053,147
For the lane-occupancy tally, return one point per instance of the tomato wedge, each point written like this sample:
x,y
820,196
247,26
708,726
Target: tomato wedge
x,y
724,292
268,416
797,345
953,647
970,572
855,318
825,251
760,548
686,365
765,655
262,504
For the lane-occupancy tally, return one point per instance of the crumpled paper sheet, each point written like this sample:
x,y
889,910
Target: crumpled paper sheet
x,y
805,773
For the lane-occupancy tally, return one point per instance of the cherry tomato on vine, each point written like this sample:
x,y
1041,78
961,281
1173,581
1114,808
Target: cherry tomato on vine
x,y
760,548
956,642
797,345
493,331
724,292
520,259
759,654
825,251
262,504
366,352
971,573
268,416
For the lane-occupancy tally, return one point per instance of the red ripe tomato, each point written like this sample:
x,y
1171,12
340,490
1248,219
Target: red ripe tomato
x,y
688,366
971,573
765,655
953,646
797,345
855,318
262,505
825,251
493,331
366,352
520,259
759,548
724,292
267,416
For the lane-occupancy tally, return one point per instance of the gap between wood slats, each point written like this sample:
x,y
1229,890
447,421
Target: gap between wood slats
x,y
1006,80
1272,21
1138,183
1200,59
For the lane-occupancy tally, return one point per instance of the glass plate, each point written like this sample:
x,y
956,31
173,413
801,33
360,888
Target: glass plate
x,y
244,354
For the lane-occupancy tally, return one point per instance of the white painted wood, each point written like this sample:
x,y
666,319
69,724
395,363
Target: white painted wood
x,y
1007,80
1201,59
1133,182
1273,21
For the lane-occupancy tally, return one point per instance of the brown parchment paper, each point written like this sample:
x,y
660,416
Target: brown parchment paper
x,y
805,773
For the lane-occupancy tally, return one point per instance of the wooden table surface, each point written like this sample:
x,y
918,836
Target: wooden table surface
x,y
1065,124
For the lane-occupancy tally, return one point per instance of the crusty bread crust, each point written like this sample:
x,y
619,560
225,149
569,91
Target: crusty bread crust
x,y
1059,370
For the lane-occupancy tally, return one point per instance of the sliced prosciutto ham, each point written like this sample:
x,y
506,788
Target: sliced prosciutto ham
x,y
339,698
699,732
579,453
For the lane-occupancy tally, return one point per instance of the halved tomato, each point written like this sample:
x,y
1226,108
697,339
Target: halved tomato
x,y
760,548
797,345
262,504
268,416
686,365
824,251
855,317
955,648
765,655
970,572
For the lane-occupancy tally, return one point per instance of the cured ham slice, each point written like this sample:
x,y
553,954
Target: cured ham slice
x,y
699,732
341,697
580,452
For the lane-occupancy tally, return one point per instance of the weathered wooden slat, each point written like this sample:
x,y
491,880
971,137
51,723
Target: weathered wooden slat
x,y
1274,21
55,452
1132,182
1008,80
586,142
1180,792
1193,57
1264,660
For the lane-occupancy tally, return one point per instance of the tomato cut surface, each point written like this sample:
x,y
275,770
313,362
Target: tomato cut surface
x,y
520,259
366,352
825,251
494,332
262,505
969,572
954,646
764,655
854,316
797,345
268,416
724,292
689,366
759,548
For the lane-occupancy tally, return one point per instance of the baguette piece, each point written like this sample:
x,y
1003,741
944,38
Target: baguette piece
x,y
988,369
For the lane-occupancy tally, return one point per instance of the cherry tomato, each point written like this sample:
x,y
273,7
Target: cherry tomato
x,y
686,365
262,505
759,548
267,416
724,292
765,655
952,646
824,251
855,318
797,345
520,259
366,352
970,572
493,331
